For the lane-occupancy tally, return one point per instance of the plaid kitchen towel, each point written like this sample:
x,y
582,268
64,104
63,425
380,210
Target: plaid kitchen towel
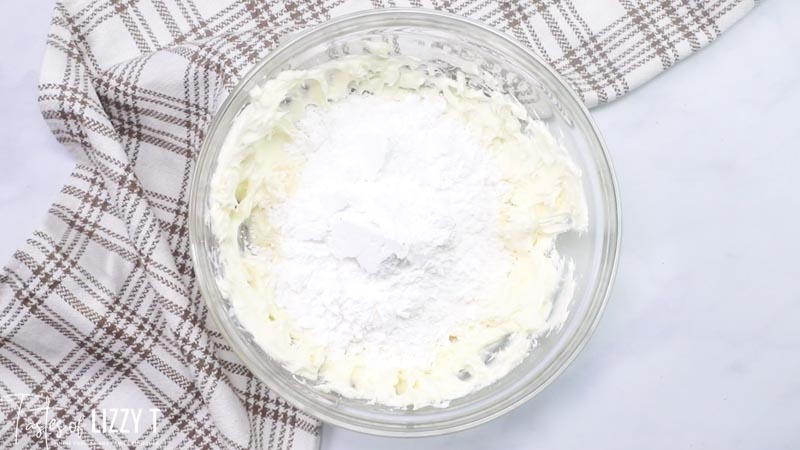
x,y
104,339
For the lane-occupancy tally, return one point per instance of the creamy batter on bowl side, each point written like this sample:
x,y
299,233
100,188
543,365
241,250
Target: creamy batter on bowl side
x,y
389,232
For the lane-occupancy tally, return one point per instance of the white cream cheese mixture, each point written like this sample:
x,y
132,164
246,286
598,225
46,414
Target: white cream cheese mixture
x,y
388,232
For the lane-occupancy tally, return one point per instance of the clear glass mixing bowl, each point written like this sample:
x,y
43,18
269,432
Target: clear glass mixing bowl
x,y
450,42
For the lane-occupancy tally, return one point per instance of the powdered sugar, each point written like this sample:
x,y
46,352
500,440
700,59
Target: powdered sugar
x,y
391,238
389,233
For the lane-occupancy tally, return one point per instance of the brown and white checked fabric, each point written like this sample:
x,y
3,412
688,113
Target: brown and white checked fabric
x,y
100,310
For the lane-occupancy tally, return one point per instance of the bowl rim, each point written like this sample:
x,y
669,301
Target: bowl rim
x,y
582,334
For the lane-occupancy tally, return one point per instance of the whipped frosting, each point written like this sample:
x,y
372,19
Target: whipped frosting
x,y
284,262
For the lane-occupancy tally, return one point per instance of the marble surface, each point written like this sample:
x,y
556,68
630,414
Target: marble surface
x,y
700,345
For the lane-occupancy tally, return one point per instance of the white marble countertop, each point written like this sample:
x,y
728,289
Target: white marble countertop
x,y
700,345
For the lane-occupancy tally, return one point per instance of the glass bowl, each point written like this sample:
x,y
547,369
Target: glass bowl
x,y
453,43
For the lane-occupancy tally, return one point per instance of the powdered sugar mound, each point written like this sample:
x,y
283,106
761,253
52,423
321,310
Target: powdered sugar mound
x,y
391,238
